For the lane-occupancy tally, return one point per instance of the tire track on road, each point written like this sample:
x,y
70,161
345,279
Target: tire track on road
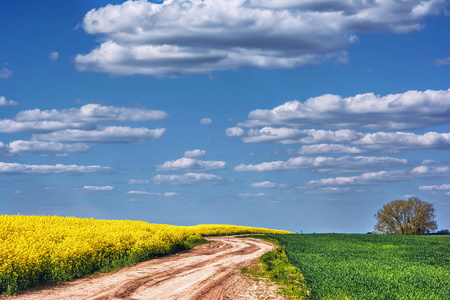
x,y
209,271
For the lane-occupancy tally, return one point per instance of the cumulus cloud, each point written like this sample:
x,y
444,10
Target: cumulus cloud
x,y
17,169
396,141
98,188
435,187
323,164
366,178
5,73
197,153
179,37
190,179
12,126
269,134
110,134
4,102
234,131
425,170
53,56
286,135
91,113
421,172
189,164
37,120
329,148
264,184
45,148
409,110
348,141
205,121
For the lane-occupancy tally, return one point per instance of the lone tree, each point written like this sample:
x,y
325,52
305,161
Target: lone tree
x,y
412,216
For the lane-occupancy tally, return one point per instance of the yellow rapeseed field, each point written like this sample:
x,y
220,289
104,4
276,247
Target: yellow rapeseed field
x,y
37,250
216,230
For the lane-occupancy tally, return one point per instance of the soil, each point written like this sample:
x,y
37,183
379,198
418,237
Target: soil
x,y
210,271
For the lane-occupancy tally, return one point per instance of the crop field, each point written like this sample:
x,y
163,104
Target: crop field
x,y
358,266
36,250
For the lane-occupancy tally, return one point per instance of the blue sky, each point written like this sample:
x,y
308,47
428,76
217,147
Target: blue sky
x,y
295,114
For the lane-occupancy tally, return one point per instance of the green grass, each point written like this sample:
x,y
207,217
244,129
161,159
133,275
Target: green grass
x,y
357,266
275,266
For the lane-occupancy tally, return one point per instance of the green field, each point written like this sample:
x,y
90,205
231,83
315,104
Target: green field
x,y
358,266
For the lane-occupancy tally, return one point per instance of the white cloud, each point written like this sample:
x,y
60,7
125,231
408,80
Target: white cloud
x,y
314,136
251,195
205,121
286,135
91,113
335,189
410,110
180,37
197,153
348,141
323,164
421,172
425,170
234,131
264,184
396,141
188,164
428,161
15,168
434,187
366,178
328,148
443,61
270,134
110,134
144,193
330,190
139,181
75,118
98,188
5,73
365,10
11,126
170,194
166,194
53,56
45,148
4,102
190,179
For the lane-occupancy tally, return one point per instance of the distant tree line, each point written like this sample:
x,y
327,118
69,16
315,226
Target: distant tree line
x,y
440,232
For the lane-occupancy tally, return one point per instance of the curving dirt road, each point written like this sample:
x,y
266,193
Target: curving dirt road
x,y
210,271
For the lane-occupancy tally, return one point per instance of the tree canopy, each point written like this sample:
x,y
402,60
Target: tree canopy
x,y
412,216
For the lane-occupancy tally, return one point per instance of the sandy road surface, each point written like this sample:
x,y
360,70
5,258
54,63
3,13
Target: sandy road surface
x,y
210,271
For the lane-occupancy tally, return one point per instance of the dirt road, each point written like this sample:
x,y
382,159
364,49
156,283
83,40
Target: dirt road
x,y
210,271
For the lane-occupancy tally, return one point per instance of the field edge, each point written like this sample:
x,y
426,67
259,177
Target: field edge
x,y
274,268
